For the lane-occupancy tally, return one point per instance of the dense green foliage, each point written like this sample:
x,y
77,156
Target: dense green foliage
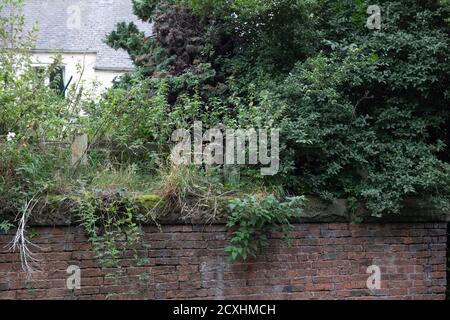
x,y
364,113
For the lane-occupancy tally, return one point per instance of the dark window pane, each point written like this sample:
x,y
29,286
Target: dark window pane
x,y
57,79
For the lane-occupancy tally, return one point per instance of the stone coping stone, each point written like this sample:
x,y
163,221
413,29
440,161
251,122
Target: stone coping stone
x,y
58,213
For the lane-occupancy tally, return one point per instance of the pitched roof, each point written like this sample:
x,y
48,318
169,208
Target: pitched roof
x,y
61,29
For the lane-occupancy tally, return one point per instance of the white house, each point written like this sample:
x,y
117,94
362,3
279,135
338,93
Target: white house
x,y
77,30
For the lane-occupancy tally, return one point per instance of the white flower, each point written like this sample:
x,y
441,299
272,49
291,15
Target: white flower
x,y
10,136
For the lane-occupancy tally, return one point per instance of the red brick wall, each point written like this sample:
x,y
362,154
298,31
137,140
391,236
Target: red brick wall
x,y
325,261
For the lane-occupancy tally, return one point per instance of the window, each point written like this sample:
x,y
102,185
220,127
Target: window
x,y
56,78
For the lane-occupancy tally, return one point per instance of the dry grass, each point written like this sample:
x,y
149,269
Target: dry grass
x,y
193,192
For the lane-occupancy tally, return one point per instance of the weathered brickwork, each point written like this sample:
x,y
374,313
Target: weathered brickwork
x,y
324,261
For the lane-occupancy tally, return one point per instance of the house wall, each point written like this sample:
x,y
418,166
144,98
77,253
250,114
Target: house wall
x,y
324,261
71,61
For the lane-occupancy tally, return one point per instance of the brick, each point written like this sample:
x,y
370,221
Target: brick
x,y
325,261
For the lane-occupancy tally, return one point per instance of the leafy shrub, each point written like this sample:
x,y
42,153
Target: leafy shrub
x,y
256,220
5,226
376,128
111,224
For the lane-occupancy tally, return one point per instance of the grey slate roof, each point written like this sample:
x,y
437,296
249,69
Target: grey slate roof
x,y
59,28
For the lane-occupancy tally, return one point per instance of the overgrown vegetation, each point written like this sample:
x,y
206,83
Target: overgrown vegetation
x,y
364,115
257,220
5,226
109,222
